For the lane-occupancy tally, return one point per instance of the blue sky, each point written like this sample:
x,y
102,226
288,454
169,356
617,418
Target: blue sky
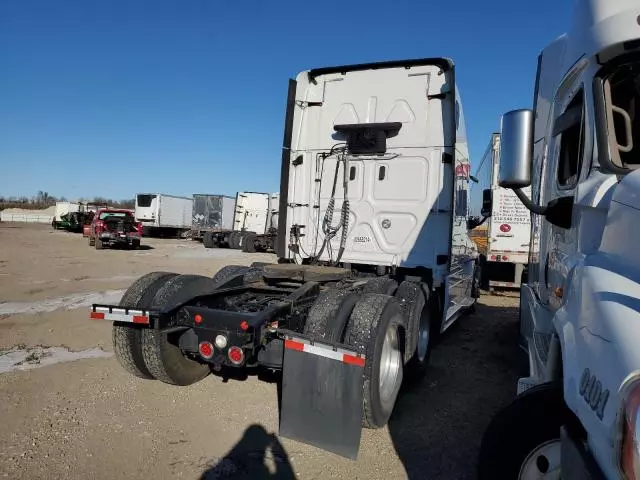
x,y
115,97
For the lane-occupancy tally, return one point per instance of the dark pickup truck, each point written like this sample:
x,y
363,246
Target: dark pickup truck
x,y
114,227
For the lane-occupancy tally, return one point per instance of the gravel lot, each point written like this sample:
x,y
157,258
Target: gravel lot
x,y
88,419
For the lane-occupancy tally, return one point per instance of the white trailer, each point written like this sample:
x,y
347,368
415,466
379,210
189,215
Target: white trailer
x,y
162,214
62,208
252,212
356,299
503,237
212,213
577,414
252,224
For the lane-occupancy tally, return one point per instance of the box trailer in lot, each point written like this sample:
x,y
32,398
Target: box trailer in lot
x,y
503,238
374,258
162,214
252,220
212,213
64,208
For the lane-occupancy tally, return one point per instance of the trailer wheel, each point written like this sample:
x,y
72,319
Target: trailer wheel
x,y
384,285
249,243
161,353
234,240
207,240
98,243
329,314
415,303
376,328
127,340
523,440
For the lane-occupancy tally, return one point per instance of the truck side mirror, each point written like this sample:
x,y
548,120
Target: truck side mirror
x,y
487,202
516,141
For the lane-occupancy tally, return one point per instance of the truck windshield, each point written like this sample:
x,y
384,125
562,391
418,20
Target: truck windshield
x,y
145,200
622,96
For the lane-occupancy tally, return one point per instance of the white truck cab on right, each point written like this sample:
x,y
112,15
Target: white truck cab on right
x,y
576,414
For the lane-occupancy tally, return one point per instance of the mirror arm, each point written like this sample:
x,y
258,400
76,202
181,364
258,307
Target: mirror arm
x,y
537,209
484,219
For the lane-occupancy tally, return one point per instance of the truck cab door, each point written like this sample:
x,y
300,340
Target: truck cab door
x,y
565,153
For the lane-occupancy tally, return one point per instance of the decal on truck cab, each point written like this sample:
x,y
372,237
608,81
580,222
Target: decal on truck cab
x,y
591,390
361,239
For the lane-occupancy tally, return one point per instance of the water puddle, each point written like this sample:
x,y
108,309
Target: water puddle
x,y
27,358
68,302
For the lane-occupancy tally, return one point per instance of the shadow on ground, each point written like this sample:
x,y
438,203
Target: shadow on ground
x,y
437,425
258,455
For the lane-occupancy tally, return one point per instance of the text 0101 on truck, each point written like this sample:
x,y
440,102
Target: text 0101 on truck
x,y
374,258
503,234
576,415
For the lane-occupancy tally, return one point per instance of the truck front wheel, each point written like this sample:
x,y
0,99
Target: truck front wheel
x,y
376,328
523,440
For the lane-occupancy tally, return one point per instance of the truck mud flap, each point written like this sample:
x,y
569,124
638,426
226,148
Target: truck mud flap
x,y
322,394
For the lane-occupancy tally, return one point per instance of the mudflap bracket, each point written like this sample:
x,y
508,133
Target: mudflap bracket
x,y
322,394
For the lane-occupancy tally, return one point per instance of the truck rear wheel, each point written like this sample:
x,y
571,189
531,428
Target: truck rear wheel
x,y
127,340
329,315
523,440
98,243
376,328
161,353
415,303
236,275
384,285
92,241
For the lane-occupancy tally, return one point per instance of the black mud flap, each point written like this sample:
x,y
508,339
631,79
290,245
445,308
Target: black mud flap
x,y
322,388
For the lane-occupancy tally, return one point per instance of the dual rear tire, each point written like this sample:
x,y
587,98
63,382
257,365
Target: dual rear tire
x,y
383,328
148,353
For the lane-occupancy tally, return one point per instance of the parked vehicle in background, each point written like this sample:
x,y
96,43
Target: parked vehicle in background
x,y
374,258
577,413
74,221
252,219
503,237
115,227
267,241
164,215
64,208
212,213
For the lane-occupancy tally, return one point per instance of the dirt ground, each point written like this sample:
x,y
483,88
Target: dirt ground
x,y
87,418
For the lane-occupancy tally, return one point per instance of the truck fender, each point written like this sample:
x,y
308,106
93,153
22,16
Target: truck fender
x,y
180,290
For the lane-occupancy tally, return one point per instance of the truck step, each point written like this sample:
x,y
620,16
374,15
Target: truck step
x,y
525,383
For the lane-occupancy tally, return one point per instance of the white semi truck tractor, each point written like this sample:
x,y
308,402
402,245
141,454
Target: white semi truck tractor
x,y
374,258
577,414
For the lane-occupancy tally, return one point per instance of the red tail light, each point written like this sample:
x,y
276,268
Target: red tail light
x,y
236,355
139,228
206,350
100,225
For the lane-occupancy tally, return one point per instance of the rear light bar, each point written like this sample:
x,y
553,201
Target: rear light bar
x,y
119,314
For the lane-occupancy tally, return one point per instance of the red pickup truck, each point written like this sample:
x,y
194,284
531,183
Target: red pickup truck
x,y
114,227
